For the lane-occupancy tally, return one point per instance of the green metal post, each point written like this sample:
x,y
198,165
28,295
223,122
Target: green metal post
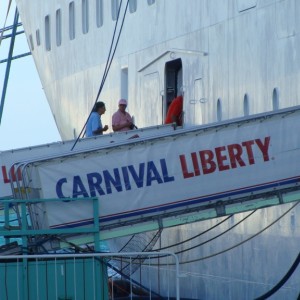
x,y
6,220
12,42
25,244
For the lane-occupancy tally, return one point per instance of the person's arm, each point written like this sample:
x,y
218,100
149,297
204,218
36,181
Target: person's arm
x,y
116,126
96,125
100,130
121,126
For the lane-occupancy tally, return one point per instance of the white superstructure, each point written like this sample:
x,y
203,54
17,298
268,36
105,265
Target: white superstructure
x,y
229,58
237,57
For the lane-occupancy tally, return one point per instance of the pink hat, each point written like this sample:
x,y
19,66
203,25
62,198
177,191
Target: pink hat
x,y
123,101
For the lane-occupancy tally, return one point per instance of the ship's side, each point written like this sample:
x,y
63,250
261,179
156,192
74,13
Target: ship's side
x,y
237,57
228,59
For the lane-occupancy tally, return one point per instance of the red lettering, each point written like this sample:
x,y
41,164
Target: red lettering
x,y
264,147
221,158
208,165
4,173
224,157
185,172
248,146
195,163
235,152
13,174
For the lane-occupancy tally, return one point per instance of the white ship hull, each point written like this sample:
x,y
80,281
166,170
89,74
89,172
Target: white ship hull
x,y
229,59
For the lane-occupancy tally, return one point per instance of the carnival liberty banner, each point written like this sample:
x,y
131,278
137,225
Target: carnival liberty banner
x,y
9,173
169,174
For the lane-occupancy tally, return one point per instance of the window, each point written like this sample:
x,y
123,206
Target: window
x,y
124,83
99,13
47,33
58,27
150,2
85,16
219,110
114,9
275,100
132,6
246,105
31,43
72,21
37,36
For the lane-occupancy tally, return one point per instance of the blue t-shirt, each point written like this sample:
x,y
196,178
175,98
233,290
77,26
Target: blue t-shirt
x,y
93,124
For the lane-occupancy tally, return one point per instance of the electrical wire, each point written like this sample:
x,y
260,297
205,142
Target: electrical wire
x,y
107,66
283,280
218,235
205,242
238,244
195,236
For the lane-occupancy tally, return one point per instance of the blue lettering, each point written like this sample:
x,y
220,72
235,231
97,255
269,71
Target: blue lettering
x,y
126,178
59,184
165,171
116,182
78,188
138,179
94,180
152,173
121,179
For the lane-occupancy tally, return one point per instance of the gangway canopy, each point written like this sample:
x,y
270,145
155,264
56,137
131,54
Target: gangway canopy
x,y
10,160
174,177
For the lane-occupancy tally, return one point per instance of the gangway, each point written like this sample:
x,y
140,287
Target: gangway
x,y
170,178
9,175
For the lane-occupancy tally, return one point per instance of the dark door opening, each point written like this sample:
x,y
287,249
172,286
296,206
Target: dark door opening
x,y
173,82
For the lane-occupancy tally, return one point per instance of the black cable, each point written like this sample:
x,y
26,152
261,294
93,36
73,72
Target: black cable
x,y
218,235
205,242
282,281
104,73
242,242
129,278
107,66
195,236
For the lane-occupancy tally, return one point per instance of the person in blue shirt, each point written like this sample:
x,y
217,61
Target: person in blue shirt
x,y
94,124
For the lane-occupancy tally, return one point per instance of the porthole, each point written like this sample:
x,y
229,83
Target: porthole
x,y
132,6
71,20
58,27
219,110
85,16
246,105
275,99
99,13
47,33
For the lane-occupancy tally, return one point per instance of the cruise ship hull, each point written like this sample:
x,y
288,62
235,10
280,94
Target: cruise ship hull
x,y
228,59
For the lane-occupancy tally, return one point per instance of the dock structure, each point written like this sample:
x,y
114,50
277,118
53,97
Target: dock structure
x,y
38,266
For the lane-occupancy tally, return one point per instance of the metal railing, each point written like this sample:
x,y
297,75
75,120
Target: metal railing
x,y
89,276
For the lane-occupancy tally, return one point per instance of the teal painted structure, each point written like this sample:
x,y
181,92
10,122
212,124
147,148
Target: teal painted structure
x,y
59,279
48,277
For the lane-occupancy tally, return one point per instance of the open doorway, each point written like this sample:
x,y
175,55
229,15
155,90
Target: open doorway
x,y
173,82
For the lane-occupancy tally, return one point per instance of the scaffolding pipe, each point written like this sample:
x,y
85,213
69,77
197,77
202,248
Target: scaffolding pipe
x,y
9,59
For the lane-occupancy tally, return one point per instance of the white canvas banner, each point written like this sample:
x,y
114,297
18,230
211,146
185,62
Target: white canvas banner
x,y
169,174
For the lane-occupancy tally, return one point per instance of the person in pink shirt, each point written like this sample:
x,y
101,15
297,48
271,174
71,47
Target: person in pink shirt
x,y
121,120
